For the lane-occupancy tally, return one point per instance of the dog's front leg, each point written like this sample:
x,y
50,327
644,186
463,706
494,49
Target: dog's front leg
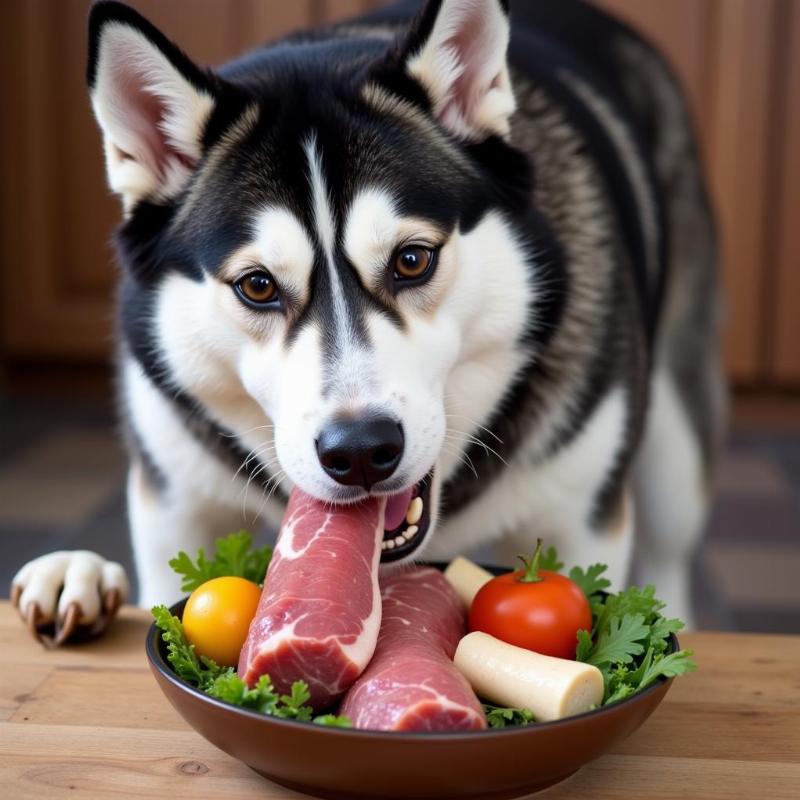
x,y
166,521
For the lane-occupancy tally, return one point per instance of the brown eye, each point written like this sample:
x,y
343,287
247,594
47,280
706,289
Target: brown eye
x,y
413,262
257,289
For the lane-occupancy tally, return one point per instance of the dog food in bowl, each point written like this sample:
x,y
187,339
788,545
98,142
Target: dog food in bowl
x,y
328,761
420,729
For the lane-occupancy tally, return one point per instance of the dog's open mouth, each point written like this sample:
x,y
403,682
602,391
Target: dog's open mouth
x,y
408,516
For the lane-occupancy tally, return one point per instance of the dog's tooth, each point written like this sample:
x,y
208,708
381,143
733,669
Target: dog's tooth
x,y
411,531
398,540
414,513
389,545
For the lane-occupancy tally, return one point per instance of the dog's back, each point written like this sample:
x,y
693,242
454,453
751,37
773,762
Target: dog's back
x,y
634,95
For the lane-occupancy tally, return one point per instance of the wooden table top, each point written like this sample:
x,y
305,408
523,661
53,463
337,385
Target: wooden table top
x,y
89,722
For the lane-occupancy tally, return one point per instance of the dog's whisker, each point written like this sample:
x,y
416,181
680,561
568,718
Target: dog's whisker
x,y
267,465
275,480
256,452
463,457
249,430
477,425
479,443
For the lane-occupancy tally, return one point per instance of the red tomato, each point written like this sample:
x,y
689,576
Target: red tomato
x,y
543,613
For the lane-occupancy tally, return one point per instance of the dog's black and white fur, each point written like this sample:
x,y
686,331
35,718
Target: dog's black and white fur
x,y
555,365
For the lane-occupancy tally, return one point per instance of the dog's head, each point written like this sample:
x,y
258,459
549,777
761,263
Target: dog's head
x,y
321,242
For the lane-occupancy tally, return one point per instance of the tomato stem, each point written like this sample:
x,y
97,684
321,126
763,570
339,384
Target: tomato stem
x,y
532,565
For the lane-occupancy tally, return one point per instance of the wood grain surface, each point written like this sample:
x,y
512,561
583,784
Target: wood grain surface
x,y
90,722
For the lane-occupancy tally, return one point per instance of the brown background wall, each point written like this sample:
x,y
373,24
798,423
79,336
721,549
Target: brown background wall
x,y
739,59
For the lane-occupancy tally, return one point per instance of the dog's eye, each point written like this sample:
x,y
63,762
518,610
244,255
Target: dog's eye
x,y
413,263
257,289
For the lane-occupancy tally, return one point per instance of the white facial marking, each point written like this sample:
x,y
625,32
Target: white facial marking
x,y
374,229
371,231
284,248
326,228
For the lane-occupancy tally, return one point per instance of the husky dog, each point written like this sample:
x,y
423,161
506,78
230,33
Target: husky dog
x,y
461,256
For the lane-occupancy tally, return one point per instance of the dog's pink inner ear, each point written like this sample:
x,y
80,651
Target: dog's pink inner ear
x,y
143,112
462,66
469,46
151,113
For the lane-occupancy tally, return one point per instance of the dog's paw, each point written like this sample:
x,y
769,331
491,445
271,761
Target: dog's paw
x,y
69,592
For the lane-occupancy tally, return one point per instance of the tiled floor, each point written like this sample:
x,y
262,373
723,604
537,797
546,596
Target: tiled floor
x,y
62,475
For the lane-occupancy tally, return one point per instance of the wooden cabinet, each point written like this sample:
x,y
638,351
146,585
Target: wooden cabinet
x,y
739,59
57,214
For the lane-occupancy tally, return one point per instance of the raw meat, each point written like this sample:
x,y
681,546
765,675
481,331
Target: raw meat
x,y
411,683
320,611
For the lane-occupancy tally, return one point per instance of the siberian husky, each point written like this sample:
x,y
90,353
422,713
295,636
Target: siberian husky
x,y
462,253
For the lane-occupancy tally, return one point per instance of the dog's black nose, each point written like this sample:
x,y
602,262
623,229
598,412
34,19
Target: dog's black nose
x,y
361,452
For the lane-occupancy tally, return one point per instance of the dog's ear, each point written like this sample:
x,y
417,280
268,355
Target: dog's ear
x,y
456,51
151,101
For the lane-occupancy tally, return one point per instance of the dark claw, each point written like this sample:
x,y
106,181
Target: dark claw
x,y
32,616
112,600
67,628
54,634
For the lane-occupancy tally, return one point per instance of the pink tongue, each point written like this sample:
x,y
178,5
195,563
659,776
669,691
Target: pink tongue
x,y
396,508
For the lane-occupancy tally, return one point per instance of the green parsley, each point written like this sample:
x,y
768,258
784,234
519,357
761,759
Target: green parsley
x,y
233,556
197,670
590,581
224,684
497,717
629,638
549,561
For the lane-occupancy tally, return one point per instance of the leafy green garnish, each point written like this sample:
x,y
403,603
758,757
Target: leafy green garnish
x,y
624,680
232,689
333,721
233,555
197,670
294,705
224,684
498,717
670,666
585,645
616,689
549,560
660,631
629,637
590,580
620,641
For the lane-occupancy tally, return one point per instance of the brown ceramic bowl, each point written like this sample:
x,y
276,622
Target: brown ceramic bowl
x,y
348,764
